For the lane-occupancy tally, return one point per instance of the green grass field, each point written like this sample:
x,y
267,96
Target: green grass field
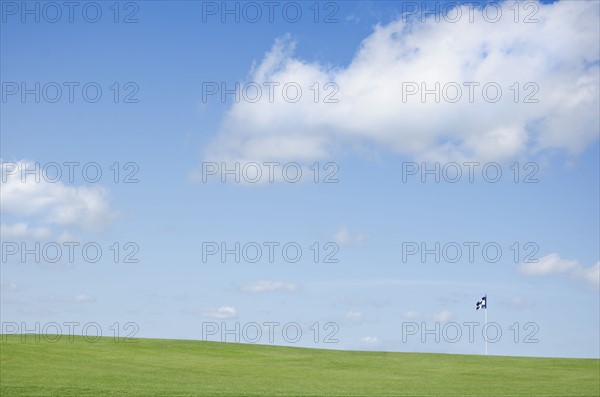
x,y
158,367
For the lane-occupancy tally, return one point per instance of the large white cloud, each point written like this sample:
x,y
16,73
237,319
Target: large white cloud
x,y
559,54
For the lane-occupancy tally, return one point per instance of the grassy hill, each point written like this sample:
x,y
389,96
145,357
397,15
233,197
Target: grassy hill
x,y
158,367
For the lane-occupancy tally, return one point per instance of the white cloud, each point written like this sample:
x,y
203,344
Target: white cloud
x,y
369,339
66,236
590,276
444,316
554,264
262,286
85,207
344,238
222,312
354,316
8,285
80,298
22,231
519,303
549,264
412,315
354,302
83,298
560,52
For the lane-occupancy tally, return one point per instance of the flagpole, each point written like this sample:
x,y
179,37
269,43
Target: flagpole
x,y
482,304
485,326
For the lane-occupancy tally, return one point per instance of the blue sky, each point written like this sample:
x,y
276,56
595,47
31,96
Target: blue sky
x,y
370,217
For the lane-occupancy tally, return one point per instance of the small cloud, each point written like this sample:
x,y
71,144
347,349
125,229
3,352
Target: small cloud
x,y
554,264
83,298
52,203
549,264
344,238
221,313
8,285
369,339
518,303
353,302
354,316
444,316
263,286
412,315
589,276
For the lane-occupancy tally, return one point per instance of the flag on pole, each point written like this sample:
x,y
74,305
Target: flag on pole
x,y
482,304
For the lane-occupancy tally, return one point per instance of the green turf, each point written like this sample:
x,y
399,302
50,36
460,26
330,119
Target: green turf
x,y
157,367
